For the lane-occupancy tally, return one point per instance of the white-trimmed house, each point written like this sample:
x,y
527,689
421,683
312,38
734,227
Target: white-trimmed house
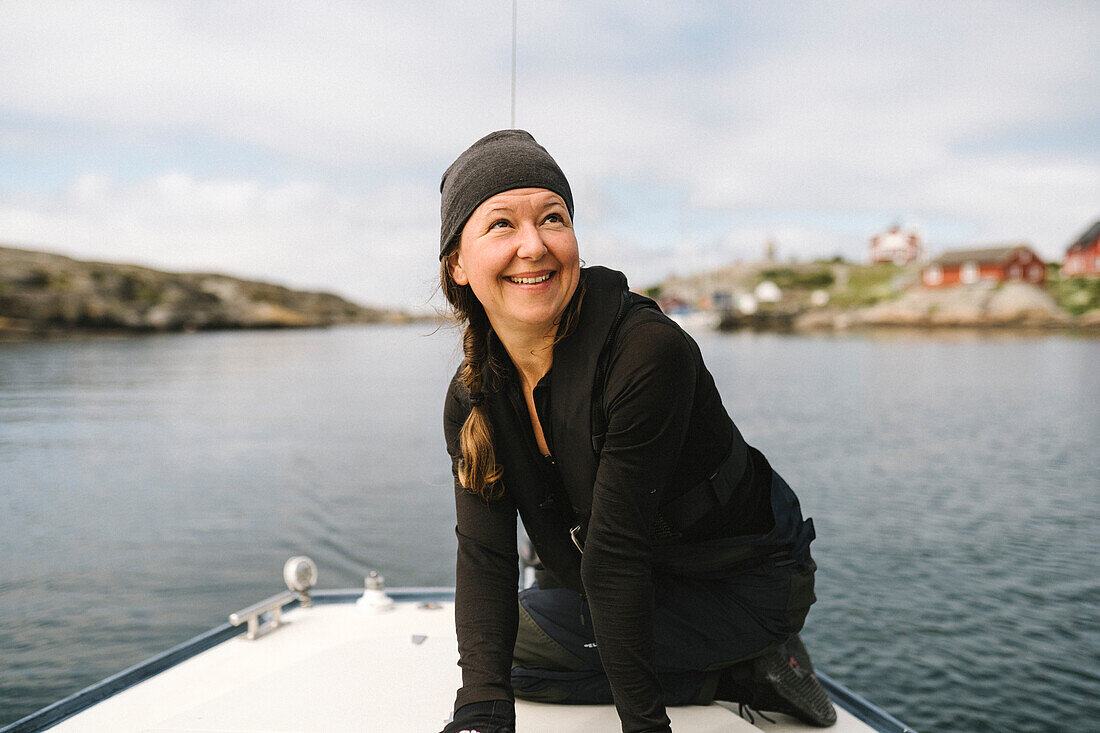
x,y
1083,256
1016,262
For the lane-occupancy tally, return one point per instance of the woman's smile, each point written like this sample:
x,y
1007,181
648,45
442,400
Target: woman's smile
x,y
529,279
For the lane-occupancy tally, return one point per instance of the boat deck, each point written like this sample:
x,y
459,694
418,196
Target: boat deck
x,y
338,667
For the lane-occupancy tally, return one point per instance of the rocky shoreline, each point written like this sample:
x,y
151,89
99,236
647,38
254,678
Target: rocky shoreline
x,y
982,305
44,294
838,296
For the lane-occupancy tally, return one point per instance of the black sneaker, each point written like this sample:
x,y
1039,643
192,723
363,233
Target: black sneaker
x,y
785,683
796,650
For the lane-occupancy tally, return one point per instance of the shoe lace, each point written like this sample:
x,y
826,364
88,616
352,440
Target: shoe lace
x,y
746,713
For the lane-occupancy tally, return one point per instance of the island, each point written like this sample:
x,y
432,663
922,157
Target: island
x,y
43,294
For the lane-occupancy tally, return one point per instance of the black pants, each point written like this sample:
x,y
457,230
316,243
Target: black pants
x,y
701,625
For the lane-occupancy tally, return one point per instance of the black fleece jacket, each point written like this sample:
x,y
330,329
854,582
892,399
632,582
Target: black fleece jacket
x,y
666,430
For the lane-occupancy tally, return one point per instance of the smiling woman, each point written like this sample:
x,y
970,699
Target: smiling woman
x,y
506,214
583,410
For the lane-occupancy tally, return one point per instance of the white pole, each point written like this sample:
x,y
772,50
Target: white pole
x,y
514,63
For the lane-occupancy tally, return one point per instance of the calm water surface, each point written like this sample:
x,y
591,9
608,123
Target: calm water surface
x,y
149,486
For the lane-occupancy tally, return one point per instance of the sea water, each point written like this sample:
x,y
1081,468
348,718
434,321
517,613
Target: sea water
x,y
151,485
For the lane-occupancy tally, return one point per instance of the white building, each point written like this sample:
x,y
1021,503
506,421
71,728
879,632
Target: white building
x,y
895,245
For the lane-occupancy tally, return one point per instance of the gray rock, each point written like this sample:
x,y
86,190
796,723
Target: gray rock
x,y
981,304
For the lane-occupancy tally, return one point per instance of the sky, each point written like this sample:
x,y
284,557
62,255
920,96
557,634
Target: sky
x,y
303,142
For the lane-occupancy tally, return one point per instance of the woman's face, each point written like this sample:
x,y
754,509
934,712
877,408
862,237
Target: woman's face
x,y
518,253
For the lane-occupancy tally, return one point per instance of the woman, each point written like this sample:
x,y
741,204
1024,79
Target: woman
x,y
580,407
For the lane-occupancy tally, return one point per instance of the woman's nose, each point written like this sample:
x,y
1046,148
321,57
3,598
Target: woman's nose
x,y
531,246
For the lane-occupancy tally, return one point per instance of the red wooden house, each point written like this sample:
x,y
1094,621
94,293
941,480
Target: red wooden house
x,y
996,264
1083,256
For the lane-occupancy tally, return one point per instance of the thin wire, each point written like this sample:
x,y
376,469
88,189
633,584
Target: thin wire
x,y
514,63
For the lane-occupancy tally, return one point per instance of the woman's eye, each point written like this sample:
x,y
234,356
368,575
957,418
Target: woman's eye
x,y
499,224
555,218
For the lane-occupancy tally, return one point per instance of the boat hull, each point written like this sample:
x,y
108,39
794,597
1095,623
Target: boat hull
x,y
338,666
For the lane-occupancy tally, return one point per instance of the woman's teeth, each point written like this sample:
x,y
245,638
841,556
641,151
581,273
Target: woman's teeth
x,y
530,280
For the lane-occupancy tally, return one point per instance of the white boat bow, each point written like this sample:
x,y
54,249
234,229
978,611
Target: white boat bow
x,y
349,660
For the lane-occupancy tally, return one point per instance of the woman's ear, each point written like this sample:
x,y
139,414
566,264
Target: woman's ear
x,y
458,274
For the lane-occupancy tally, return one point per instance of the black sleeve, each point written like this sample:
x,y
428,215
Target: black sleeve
x,y
486,577
496,716
649,395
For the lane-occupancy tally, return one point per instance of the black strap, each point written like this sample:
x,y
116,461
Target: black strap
x,y
707,495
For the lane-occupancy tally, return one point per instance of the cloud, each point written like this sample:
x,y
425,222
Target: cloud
x,y
297,141
334,83
377,249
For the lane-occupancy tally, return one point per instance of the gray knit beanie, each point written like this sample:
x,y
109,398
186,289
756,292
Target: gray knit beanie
x,y
500,161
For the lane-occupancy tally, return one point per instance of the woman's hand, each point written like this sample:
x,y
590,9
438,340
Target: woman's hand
x,y
493,716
